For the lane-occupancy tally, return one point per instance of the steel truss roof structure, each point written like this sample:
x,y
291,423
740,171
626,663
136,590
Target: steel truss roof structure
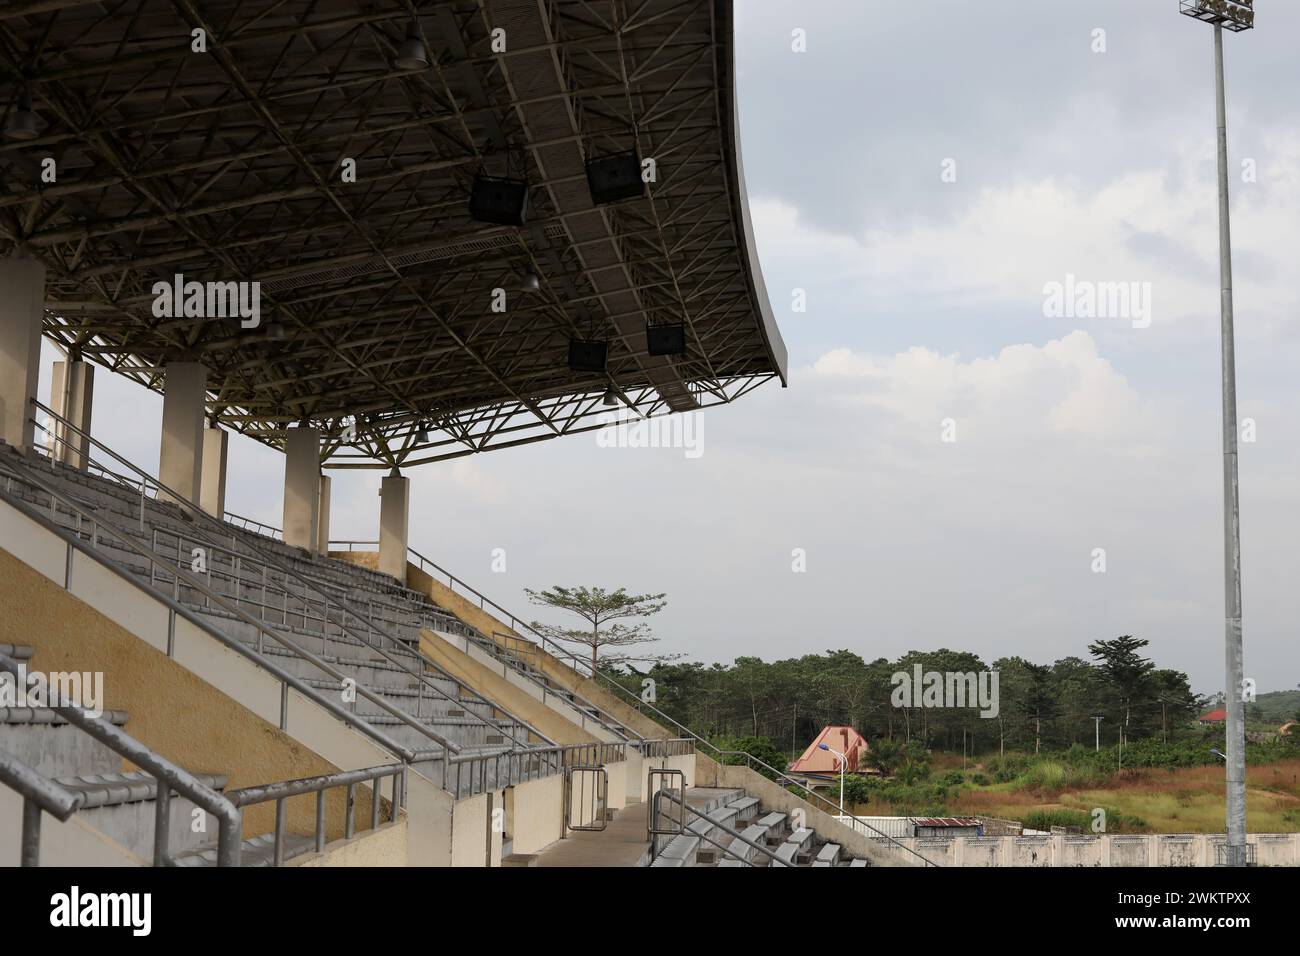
x,y
226,164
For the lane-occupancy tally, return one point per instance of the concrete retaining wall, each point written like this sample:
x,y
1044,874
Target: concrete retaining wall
x,y
1138,849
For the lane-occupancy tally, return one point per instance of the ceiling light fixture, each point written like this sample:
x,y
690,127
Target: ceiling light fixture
x,y
22,122
411,54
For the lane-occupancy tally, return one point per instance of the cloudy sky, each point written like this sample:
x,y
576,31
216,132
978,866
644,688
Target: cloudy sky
x,y
924,171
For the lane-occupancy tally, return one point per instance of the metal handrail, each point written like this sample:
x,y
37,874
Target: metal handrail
x,y
554,759
668,794
286,679
282,791
289,572
169,777
252,524
636,702
610,721
39,794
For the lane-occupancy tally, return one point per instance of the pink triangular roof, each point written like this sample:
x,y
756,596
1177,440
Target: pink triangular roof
x,y
844,739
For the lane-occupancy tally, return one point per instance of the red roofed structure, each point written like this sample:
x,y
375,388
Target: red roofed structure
x,y
1213,717
816,762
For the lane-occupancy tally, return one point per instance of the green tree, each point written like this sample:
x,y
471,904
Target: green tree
x,y
1128,671
886,755
599,608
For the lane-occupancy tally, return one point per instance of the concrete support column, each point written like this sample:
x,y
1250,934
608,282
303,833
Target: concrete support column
x,y
213,489
22,307
72,394
180,459
394,515
323,532
302,488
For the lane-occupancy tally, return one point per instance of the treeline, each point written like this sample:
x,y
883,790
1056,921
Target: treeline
x,y
1040,707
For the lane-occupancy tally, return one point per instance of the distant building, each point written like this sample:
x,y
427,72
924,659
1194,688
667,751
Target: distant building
x,y
948,826
1212,718
821,766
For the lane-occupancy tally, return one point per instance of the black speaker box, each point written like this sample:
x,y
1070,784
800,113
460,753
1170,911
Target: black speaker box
x,y
503,202
615,178
666,339
587,356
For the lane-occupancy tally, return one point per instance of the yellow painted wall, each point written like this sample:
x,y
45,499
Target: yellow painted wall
x,y
535,810
383,847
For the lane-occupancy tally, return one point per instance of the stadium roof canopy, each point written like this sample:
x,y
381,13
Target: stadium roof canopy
x,y
376,296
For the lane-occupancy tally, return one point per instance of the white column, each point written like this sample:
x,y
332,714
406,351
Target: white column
x,y
72,394
394,514
323,533
22,308
302,488
212,498
53,438
180,459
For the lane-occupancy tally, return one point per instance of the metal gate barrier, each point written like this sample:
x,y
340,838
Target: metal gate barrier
x,y
586,791
658,822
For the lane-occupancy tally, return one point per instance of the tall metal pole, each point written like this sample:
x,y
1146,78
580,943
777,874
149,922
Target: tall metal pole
x,y
1236,722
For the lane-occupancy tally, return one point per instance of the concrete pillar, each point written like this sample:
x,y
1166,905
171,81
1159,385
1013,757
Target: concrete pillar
x,y
59,404
72,393
213,489
323,532
302,488
180,459
394,515
22,308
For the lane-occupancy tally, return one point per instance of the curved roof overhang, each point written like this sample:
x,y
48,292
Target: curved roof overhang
x,y
226,165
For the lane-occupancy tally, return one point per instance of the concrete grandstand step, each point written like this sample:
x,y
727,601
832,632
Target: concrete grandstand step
x,y
48,744
774,823
423,703
788,853
802,840
122,806
256,852
828,855
747,809
740,853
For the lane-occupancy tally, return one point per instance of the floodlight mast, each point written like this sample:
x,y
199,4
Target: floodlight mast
x,y
1234,15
